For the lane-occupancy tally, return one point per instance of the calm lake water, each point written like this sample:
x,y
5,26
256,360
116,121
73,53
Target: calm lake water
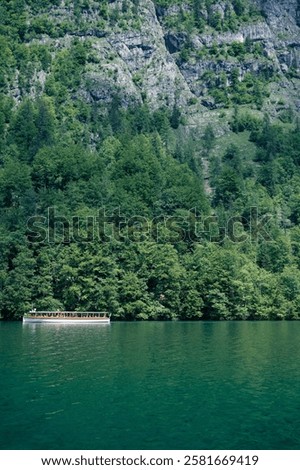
x,y
150,386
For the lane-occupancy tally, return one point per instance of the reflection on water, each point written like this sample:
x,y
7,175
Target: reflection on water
x,y
150,386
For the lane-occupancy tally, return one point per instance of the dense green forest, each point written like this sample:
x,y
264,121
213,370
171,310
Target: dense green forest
x,y
104,207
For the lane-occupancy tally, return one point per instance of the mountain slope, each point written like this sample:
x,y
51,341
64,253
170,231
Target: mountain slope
x,y
162,53
149,158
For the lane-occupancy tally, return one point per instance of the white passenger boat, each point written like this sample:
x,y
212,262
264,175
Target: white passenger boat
x,y
93,318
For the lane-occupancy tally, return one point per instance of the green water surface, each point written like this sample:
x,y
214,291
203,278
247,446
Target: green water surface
x,y
150,386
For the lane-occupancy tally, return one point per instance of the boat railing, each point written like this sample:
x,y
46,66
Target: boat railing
x,y
64,314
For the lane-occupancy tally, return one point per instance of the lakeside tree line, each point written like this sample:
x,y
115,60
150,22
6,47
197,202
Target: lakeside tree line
x,y
159,275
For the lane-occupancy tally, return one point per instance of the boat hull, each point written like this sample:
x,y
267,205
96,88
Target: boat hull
x,y
68,321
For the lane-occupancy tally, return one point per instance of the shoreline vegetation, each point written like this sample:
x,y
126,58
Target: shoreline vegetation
x,y
58,150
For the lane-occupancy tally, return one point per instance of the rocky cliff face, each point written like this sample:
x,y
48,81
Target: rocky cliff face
x,y
272,41
138,65
130,57
143,55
